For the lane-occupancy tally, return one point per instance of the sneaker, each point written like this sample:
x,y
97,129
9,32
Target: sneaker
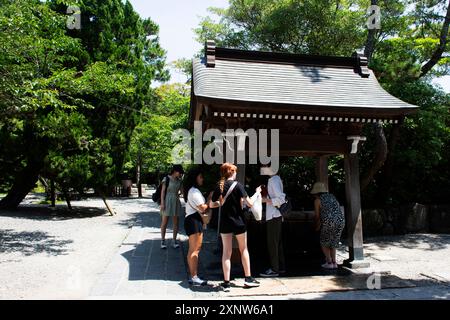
x,y
269,273
163,244
175,244
328,266
335,265
251,282
225,286
196,281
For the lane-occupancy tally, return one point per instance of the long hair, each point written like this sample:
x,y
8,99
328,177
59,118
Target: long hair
x,y
191,181
226,171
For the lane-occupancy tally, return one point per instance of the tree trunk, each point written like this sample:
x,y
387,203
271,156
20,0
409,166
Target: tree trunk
x,y
138,173
24,182
370,41
443,39
380,142
381,151
45,184
67,197
52,193
108,206
386,174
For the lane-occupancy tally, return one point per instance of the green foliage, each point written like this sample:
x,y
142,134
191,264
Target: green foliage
x,y
421,160
75,95
151,144
287,26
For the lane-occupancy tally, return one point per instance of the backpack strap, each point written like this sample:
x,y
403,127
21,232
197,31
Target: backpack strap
x,y
229,191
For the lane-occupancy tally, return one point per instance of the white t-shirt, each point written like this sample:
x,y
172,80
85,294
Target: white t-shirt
x,y
195,199
276,194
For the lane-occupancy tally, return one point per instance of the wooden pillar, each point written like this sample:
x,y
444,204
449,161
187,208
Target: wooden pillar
x,y
353,213
322,170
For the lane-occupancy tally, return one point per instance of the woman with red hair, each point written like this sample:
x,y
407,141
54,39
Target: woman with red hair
x,y
230,195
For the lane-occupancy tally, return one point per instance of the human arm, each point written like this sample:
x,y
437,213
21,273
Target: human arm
x,y
213,195
196,200
248,200
163,195
317,214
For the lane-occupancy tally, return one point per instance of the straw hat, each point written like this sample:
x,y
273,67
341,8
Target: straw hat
x,y
319,187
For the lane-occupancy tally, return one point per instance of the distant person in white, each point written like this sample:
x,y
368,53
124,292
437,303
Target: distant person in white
x,y
193,223
274,221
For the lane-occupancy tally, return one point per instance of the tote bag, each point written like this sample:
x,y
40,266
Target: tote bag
x,y
257,206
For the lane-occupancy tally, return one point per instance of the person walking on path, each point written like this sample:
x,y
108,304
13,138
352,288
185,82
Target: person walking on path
x,y
170,204
230,195
330,221
274,223
193,223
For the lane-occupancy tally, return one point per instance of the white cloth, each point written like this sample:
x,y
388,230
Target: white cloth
x,y
195,199
257,206
275,193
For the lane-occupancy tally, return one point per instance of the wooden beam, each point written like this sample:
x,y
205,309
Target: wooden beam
x,y
291,144
353,213
312,110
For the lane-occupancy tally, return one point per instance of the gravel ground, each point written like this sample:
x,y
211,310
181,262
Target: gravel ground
x,y
51,254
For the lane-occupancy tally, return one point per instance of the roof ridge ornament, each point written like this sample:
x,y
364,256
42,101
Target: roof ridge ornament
x,y
362,63
210,53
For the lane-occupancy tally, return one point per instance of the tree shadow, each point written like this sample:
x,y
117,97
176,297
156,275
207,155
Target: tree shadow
x,y
60,212
313,73
30,243
146,261
429,242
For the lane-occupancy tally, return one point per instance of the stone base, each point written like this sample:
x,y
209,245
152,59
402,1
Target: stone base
x,y
356,264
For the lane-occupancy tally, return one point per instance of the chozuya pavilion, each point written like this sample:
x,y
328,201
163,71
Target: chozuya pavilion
x,y
320,104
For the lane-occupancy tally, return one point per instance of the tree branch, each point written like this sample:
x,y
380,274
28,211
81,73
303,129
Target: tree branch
x,y
443,39
381,150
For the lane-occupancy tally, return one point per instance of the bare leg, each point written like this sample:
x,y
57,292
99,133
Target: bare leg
x,y
164,222
175,227
326,252
227,244
333,254
242,241
195,244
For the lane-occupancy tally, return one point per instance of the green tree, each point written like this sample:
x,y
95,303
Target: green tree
x,y
151,144
74,104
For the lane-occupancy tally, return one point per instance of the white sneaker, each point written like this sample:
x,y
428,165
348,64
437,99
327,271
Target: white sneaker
x,y
328,266
163,244
196,281
175,244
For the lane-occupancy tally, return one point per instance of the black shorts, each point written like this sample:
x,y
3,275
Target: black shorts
x,y
232,225
193,224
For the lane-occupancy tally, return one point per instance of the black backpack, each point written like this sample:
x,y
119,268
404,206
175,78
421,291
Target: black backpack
x,y
156,197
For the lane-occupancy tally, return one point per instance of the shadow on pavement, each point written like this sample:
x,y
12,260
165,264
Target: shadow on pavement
x,y
29,243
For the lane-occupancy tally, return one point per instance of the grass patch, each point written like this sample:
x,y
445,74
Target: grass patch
x,y
39,188
50,202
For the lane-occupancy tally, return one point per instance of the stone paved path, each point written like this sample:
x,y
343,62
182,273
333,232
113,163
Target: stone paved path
x,y
141,270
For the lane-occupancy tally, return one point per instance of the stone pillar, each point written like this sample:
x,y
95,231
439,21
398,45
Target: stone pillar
x,y
353,213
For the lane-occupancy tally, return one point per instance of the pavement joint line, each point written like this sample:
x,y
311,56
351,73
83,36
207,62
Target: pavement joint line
x,y
436,278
